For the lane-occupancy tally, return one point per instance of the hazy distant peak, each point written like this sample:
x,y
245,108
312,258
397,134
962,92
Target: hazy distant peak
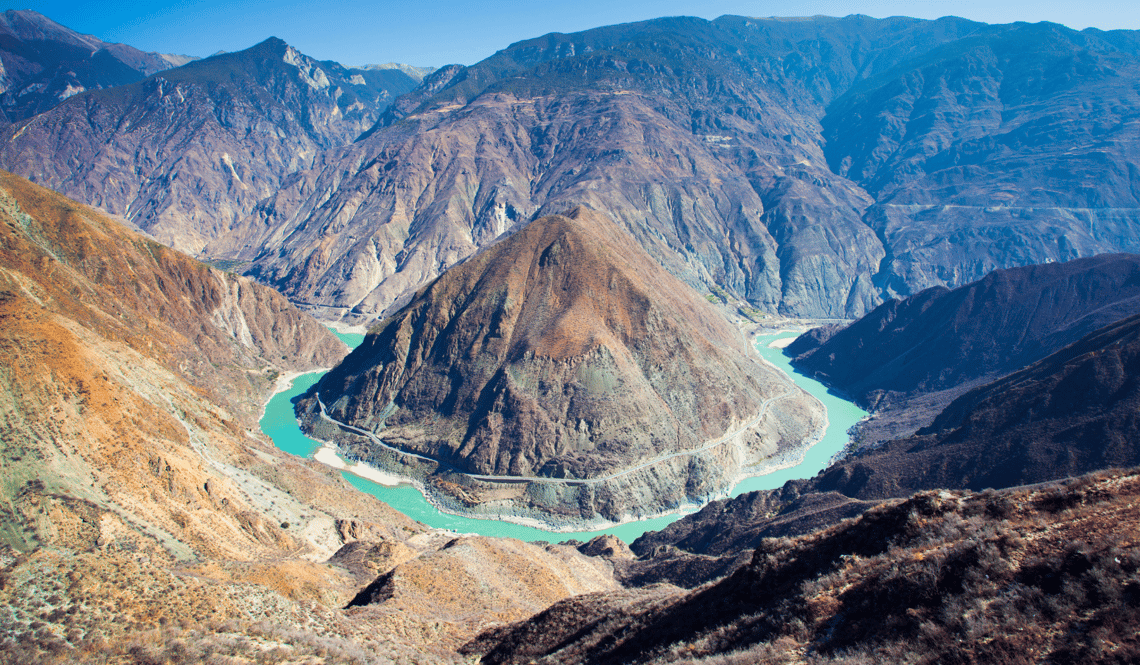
x,y
25,24
417,73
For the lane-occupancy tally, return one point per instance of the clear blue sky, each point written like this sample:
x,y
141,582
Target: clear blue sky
x,y
438,32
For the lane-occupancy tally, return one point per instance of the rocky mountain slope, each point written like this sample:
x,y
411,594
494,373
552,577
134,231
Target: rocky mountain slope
x,y
1071,413
143,518
750,155
557,353
127,367
186,153
1043,574
942,338
1068,414
42,63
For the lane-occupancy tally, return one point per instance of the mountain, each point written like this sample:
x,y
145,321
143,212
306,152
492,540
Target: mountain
x,y
1066,415
691,133
812,168
142,515
43,63
942,338
557,353
1041,574
130,367
186,153
1071,413
1009,147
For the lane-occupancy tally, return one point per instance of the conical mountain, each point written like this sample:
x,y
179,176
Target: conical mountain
x,y
566,351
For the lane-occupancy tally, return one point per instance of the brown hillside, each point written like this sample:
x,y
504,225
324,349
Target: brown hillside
x,y
565,351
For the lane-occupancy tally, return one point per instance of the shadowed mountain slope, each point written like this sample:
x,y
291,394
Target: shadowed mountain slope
x,y
942,338
43,63
558,352
1036,575
1071,413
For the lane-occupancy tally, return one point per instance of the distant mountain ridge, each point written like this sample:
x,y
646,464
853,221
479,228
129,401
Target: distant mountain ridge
x,y
812,167
43,63
186,153
742,153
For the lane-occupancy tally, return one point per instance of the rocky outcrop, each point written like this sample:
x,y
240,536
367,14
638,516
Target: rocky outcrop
x,y
557,353
186,153
43,63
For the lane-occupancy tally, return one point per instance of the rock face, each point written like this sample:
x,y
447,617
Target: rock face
x,y
940,338
558,352
186,153
43,63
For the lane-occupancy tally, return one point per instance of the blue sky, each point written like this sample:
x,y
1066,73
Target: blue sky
x,y
438,32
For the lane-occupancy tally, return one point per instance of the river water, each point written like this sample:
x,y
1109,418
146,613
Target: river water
x,y
280,424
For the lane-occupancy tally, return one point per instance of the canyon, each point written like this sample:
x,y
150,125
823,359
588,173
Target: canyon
x,y
559,254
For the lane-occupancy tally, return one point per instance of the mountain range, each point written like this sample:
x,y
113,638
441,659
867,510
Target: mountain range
x,y
185,154
810,168
43,63
557,253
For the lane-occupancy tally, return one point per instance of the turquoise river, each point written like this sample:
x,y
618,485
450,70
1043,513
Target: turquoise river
x,y
280,424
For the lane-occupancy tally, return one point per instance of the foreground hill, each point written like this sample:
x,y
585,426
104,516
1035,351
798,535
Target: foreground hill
x,y
558,353
186,153
1037,575
44,63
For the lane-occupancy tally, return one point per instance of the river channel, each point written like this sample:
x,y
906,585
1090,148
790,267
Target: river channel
x,y
280,424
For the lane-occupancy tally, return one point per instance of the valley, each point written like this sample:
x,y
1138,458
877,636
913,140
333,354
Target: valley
x,y
680,340
413,499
